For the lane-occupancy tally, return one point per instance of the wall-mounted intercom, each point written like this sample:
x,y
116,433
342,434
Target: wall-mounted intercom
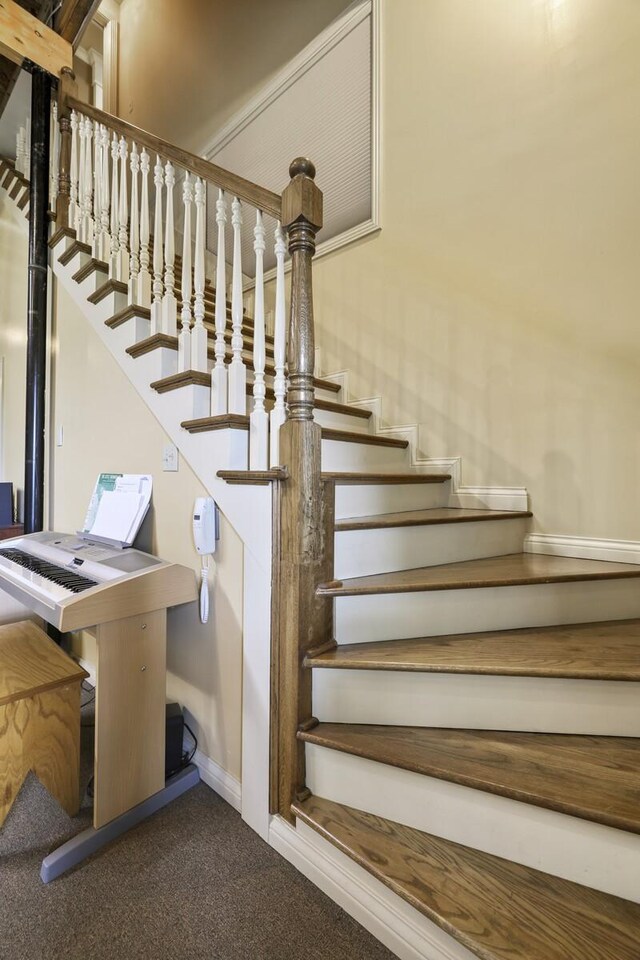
x,y
205,534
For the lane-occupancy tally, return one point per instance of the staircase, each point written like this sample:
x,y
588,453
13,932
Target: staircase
x,y
457,717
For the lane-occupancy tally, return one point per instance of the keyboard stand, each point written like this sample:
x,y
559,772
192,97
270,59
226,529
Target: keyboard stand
x,y
129,782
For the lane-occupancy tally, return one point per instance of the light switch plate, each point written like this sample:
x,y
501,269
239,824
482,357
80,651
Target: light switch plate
x,y
170,457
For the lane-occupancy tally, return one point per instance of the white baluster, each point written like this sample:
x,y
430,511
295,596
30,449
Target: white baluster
x,y
169,302
279,412
156,306
184,339
54,164
73,173
105,238
259,419
199,332
115,243
27,149
87,200
134,233
123,216
219,372
19,152
237,369
97,191
144,277
82,173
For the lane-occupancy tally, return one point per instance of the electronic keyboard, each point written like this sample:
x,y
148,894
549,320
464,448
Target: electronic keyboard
x,y
72,582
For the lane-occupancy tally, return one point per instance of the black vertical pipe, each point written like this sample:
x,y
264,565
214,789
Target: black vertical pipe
x,y
37,301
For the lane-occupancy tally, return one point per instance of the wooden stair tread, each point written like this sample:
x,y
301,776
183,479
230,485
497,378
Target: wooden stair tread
x,y
593,651
514,569
593,778
225,421
356,479
350,436
497,909
111,286
185,378
427,517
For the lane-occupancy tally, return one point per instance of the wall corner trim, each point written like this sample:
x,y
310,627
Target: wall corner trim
x,y
221,781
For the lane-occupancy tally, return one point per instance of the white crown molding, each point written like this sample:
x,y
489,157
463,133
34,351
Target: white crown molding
x,y
380,911
221,781
587,548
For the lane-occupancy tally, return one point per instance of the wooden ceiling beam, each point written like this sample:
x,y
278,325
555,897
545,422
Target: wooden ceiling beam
x,y
73,17
24,37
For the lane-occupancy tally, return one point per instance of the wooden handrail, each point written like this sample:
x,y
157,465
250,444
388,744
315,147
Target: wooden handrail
x,y
231,183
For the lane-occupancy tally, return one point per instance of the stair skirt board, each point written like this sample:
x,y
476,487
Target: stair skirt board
x,y
340,455
579,850
385,914
440,612
359,553
534,704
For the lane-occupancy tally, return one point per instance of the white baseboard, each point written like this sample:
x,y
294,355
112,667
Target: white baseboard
x,y
587,548
380,911
224,783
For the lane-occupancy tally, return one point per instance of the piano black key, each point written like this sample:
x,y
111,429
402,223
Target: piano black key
x,y
49,571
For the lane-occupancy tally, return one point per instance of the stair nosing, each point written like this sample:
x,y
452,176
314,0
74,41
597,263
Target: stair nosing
x,y
349,436
389,521
370,655
366,479
364,586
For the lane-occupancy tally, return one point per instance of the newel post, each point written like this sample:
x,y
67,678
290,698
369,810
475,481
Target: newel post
x,y
305,549
66,88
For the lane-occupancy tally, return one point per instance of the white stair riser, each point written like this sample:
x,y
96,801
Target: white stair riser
x,y
439,612
328,395
78,260
359,553
463,701
368,500
341,421
566,846
340,455
131,331
93,282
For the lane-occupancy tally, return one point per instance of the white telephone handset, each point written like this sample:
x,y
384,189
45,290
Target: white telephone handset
x,y
205,534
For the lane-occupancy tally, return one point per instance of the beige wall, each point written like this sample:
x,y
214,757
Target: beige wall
x,y
187,67
107,427
498,307
13,341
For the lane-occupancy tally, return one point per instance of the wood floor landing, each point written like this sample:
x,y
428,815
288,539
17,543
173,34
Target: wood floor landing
x,y
594,778
428,517
497,909
590,651
512,570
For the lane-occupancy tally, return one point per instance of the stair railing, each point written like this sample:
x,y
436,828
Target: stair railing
x,y
118,225
124,191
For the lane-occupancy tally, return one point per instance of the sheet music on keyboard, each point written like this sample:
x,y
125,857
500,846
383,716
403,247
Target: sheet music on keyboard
x,y
118,506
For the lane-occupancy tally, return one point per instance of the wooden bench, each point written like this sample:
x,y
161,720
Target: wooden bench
x,y
39,716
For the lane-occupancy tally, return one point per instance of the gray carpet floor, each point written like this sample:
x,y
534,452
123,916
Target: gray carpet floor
x,y
191,883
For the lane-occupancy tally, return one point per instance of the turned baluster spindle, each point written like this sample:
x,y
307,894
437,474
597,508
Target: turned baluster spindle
x,y
219,372
259,419
105,239
156,306
123,216
82,172
115,243
97,191
18,164
169,302
64,213
184,338
199,331
237,369
279,412
55,158
134,229
87,200
144,276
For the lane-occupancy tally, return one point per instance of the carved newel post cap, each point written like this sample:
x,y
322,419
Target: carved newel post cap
x,y
302,165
